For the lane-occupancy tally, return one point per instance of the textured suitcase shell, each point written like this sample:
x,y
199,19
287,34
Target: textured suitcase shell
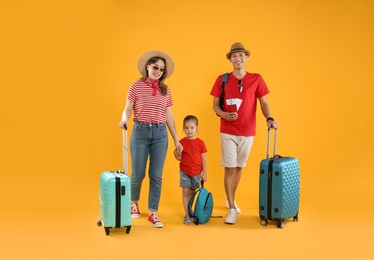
x,y
284,183
108,201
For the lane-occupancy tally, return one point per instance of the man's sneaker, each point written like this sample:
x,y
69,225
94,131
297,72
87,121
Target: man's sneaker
x,y
154,221
236,206
135,210
231,217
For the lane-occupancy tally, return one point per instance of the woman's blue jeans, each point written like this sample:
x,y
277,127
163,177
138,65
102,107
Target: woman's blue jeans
x,y
148,140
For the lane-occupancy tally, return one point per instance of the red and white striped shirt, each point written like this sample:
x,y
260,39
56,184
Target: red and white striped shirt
x,y
149,108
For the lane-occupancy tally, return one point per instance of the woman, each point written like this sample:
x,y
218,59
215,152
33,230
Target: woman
x,y
151,100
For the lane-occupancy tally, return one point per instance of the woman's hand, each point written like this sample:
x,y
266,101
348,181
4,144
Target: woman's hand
x,y
123,124
177,155
178,147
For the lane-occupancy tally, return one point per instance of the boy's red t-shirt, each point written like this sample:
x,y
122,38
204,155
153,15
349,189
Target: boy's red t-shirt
x,y
191,162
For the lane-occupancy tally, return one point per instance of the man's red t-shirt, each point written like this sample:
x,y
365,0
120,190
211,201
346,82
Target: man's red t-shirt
x,y
253,88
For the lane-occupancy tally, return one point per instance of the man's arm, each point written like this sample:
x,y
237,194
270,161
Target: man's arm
x,y
265,108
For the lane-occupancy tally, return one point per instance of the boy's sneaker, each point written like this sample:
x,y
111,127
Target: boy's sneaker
x,y
231,217
236,206
135,210
154,221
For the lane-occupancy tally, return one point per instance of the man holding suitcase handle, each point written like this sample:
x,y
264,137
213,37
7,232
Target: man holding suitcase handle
x,y
238,120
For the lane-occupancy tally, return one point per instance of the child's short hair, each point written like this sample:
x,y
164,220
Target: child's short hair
x,y
191,118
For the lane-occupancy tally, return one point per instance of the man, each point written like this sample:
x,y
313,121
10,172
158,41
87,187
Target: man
x,y
238,120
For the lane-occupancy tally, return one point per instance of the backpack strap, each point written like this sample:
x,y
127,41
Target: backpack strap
x,y
224,79
190,211
192,200
222,97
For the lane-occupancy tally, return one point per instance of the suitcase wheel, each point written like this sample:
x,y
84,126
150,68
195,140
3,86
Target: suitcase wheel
x,y
99,223
296,218
280,224
107,230
264,222
128,229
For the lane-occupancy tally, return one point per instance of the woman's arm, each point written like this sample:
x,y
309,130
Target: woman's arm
x,y
171,125
126,114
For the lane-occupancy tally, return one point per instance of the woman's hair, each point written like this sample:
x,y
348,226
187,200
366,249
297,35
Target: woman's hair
x,y
162,85
191,118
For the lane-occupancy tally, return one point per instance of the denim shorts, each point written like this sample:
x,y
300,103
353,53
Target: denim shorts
x,y
187,181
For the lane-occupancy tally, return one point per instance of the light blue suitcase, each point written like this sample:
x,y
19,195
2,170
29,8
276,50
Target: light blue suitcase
x,y
279,187
115,195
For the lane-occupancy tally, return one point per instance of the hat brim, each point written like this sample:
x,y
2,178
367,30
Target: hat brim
x,y
156,53
228,55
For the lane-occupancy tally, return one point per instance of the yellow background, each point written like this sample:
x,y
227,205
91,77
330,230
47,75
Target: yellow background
x,y
65,70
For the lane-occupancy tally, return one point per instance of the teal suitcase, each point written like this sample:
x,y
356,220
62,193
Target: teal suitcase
x,y
115,201
115,197
279,188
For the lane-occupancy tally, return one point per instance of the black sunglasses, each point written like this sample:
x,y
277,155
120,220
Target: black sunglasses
x,y
240,86
157,68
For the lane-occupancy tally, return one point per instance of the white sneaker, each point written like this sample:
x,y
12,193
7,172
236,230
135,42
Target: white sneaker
x,y
231,217
236,206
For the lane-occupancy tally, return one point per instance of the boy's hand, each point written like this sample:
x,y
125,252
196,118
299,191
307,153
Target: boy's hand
x,y
204,176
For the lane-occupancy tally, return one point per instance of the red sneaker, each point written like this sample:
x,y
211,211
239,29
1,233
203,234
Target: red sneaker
x,y
135,210
154,221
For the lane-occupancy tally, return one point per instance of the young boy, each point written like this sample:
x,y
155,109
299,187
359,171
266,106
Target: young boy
x,y
193,165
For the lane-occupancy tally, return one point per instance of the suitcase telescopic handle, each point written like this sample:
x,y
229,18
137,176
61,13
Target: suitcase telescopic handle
x,y
268,144
125,152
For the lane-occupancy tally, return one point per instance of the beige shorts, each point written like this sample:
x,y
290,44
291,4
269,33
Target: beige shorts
x,y
235,150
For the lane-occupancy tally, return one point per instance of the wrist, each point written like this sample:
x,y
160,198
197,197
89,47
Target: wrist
x,y
269,118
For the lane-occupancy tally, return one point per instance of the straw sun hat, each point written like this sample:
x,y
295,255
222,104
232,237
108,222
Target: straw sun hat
x,y
237,47
156,53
